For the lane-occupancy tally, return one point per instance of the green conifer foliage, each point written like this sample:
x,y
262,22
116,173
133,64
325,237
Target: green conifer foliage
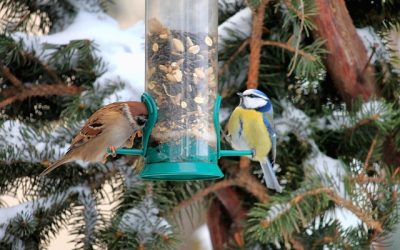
x,y
337,159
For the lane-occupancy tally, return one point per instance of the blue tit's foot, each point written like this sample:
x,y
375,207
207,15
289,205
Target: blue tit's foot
x,y
253,153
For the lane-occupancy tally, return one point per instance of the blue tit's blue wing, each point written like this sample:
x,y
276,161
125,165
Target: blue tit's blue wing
x,y
268,121
269,175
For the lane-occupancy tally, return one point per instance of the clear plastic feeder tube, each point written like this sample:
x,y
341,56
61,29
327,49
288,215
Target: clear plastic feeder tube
x,y
181,75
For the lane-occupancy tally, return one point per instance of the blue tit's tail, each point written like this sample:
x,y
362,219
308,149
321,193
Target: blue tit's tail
x,y
269,175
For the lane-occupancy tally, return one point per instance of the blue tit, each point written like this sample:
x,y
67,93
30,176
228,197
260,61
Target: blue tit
x,y
251,126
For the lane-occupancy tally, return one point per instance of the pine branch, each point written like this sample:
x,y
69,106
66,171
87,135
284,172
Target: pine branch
x,y
248,182
292,8
6,72
287,47
367,219
46,68
203,193
298,38
255,44
297,245
325,240
369,155
41,90
232,57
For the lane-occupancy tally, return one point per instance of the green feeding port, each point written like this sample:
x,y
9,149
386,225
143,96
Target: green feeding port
x,y
182,136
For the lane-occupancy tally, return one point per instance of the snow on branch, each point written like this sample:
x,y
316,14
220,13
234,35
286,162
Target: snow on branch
x,y
145,221
30,207
19,141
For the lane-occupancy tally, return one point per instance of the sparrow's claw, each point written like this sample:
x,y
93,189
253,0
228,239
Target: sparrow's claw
x,y
113,151
129,143
104,158
139,133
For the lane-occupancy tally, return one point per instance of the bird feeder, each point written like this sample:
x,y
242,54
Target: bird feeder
x,y
182,137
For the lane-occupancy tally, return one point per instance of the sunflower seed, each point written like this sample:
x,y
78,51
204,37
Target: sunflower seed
x,y
178,45
208,41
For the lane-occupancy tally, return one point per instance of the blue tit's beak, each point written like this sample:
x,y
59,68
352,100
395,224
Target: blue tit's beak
x,y
240,94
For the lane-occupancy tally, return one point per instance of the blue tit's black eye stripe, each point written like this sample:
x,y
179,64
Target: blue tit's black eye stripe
x,y
254,96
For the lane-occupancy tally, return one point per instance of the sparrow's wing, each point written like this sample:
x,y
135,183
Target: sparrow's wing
x,y
95,124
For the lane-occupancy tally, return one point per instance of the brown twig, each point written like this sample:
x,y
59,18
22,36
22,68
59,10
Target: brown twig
x,y
41,90
203,193
370,151
370,222
6,72
325,240
297,245
266,223
248,182
49,71
364,121
288,4
244,163
287,47
255,44
232,57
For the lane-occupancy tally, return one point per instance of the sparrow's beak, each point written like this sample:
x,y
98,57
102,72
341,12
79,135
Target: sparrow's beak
x,y
240,94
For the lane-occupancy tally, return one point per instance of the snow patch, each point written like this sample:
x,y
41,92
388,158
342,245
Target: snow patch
x,y
28,208
330,170
240,24
122,51
293,120
202,238
372,42
346,218
144,220
31,145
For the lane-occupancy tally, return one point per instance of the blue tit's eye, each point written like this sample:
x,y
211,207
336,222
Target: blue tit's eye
x,y
252,96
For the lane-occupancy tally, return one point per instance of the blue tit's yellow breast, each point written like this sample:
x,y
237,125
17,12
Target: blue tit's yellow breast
x,y
254,131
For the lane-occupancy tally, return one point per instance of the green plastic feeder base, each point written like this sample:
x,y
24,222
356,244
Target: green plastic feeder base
x,y
181,171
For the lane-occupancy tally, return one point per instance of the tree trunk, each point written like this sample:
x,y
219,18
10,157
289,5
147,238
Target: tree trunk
x,y
347,60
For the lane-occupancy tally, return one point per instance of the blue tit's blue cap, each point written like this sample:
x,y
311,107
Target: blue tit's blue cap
x,y
256,92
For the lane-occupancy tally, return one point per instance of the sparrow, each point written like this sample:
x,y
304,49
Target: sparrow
x,y
114,125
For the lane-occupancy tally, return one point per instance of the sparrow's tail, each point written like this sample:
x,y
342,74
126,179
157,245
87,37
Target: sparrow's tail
x,y
55,165
269,176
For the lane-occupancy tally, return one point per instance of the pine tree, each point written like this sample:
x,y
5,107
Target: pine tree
x,y
336,105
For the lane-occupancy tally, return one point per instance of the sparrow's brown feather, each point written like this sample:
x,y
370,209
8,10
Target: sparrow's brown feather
x,y
94,126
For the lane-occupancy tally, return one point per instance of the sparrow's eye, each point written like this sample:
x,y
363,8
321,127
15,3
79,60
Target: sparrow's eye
x,y
141,120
